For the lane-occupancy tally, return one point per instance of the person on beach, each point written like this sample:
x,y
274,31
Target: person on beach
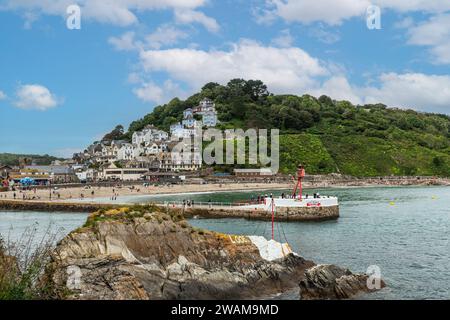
x,y
14,195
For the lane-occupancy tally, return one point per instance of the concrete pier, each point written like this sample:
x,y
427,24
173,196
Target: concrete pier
x,y
200,210
285,214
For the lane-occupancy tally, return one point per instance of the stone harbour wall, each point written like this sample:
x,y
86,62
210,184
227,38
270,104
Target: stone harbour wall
x,y
282,214
13,205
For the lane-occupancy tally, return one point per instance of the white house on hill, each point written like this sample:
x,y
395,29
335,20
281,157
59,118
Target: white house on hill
x,y
127,152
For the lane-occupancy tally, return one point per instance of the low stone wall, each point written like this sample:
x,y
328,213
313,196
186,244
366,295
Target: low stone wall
x,y
52,206
282,214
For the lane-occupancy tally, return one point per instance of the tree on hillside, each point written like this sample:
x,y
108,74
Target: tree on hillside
x,y
116,134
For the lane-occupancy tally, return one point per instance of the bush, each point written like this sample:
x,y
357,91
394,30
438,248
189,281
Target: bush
x,y
22,265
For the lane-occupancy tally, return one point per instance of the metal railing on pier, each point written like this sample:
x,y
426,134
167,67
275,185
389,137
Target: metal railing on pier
x,y
199,204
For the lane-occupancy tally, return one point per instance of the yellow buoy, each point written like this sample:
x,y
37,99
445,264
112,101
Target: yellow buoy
x,y
392,203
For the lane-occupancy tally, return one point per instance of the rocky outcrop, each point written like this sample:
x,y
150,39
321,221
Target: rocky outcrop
x,y
332,282
149,254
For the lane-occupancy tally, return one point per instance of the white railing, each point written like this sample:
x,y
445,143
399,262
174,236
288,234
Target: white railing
x,y
203,204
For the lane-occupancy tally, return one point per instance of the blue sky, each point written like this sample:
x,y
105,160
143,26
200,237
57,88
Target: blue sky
x,y
61,89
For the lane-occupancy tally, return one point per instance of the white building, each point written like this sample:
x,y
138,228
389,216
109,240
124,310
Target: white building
x,y
188,113
108,154
182,157
177,131
210,119
148,135
159,135
155,148
127,152
205,105
112,172
189,121
207,109
86,175
181,161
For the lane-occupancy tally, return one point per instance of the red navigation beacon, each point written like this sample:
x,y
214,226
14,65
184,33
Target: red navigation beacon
x,y
300,176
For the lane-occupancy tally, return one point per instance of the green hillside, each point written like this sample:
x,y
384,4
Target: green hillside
x,y
14,159
327,135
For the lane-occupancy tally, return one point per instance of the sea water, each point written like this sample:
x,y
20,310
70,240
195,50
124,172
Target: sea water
x,y
404,231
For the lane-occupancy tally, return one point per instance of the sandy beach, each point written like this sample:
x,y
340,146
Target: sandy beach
x,y
61,194
93,192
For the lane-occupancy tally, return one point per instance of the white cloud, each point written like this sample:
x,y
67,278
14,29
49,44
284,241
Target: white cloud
x,y
330,11
338,88
2,95
335,12
117,12
290,70
284,40
35,97
434,33
409,90
283,69
165,35
125,42
190,16
151,92
134,78
431,6
405,23
415,90
323,35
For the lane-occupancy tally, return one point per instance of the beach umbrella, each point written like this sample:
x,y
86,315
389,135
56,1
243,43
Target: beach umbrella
x,y
27,181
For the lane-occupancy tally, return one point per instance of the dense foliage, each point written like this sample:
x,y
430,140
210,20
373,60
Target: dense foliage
x,y
327,135
116,134
22,266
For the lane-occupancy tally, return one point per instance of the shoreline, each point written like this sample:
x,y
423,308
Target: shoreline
x,y
78,193
70,199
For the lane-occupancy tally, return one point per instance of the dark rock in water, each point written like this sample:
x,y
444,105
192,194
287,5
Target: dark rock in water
x,y
122,254
332,282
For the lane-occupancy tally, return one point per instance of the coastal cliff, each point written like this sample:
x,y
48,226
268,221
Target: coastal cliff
x,y
149,253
